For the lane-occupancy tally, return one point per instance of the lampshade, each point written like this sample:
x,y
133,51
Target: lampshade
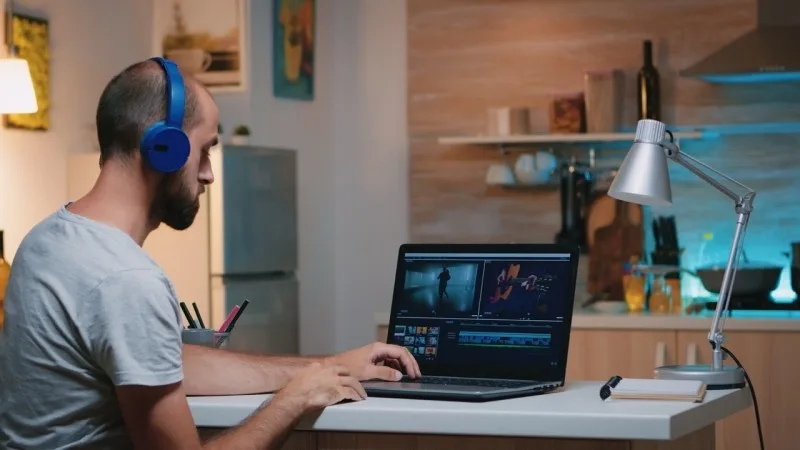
x,y
643,177
17,95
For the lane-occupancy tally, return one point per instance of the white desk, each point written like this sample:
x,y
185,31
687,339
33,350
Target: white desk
x,y
575,415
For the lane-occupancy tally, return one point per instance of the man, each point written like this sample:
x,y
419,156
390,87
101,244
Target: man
x,y
443,277
91,353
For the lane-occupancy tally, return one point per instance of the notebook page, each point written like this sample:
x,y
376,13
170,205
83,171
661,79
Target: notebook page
x,y
648,386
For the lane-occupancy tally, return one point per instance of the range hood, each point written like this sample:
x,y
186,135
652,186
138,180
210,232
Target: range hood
x,y
767,54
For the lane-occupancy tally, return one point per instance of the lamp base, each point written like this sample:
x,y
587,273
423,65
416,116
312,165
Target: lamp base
x,y
730,377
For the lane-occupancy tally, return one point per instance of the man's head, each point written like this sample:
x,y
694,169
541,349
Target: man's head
x,y
131,102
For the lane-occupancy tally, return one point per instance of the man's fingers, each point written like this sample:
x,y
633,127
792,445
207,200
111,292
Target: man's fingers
x,y
382,352
354,385
384,373
410,363
393,363
349,394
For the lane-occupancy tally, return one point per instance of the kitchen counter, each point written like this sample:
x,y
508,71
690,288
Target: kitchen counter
x,y
632,345
739,320
575,414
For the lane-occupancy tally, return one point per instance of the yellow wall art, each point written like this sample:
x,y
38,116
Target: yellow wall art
x,y
31,37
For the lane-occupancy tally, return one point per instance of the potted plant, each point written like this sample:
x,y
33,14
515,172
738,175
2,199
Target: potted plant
x,y
241,135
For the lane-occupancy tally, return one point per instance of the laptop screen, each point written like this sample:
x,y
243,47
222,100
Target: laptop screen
x,y
498,313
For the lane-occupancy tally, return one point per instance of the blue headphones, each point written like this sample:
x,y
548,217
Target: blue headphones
x,y
165,146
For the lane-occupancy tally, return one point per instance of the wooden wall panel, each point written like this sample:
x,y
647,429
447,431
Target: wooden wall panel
x,y
465,56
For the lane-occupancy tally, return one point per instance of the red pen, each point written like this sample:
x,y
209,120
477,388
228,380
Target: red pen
x,y
229,319
236,317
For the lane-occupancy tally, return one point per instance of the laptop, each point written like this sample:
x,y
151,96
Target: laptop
x,y
484,321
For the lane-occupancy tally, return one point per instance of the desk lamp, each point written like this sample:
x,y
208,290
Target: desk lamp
x,y
643,178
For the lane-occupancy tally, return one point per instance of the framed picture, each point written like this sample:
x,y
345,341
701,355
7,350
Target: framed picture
x,y
31,36
293,37
205,38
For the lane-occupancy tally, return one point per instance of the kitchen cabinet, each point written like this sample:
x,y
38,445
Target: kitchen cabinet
x,y
771,363
383,333
597,355
768,356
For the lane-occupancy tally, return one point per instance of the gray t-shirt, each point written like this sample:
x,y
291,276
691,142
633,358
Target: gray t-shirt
x,y
86,310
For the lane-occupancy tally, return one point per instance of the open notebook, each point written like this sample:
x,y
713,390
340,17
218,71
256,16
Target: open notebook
x,y
652,389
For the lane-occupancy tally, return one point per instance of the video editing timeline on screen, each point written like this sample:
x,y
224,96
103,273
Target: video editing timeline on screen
x,y
509,303
504,339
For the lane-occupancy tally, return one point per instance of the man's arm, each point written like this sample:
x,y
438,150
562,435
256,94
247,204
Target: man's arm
x,y
209,371
158,417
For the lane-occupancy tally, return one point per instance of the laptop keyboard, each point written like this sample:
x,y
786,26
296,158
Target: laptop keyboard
x,y
469,382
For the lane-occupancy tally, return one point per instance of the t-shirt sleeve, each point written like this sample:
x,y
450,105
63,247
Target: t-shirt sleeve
x,y
135,334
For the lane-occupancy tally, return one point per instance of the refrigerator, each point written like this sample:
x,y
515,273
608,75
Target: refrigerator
x,y
253,246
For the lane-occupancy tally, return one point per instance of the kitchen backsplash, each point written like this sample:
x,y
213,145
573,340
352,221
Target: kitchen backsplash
x,y
465,57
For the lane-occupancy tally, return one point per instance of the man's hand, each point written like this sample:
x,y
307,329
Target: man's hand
x,y
318,386
363,363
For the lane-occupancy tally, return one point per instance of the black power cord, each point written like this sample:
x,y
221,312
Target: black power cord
x,y
752,393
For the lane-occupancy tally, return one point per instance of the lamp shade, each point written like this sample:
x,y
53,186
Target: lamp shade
x,y
17,95
643,177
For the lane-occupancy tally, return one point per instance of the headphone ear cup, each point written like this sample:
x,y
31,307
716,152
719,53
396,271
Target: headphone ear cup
x,y
165,148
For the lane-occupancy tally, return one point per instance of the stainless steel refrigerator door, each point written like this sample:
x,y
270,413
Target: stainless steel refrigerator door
x,y
254,211
270,322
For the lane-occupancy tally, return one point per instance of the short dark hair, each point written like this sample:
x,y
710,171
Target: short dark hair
x,y
133,100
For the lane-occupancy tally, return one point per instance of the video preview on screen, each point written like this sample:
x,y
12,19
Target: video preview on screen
x,y
440,288
514,290
521,290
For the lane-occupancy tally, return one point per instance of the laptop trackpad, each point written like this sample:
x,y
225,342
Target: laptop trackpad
x,y
404,385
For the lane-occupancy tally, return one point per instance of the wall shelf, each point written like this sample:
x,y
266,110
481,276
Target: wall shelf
x,y
551,185
566,138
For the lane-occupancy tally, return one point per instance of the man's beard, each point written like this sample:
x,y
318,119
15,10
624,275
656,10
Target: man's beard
x,y
174,204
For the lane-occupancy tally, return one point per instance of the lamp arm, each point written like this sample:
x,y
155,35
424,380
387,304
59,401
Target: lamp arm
x,y
693,165
715,335
743,207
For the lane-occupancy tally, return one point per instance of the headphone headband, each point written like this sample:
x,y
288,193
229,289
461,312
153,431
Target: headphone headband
x,y
176,98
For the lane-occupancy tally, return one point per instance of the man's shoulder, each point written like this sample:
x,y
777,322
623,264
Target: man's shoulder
x,y
144,280
70,243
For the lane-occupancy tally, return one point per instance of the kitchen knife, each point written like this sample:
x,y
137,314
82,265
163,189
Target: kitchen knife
x,y
665,236
657,235
673,229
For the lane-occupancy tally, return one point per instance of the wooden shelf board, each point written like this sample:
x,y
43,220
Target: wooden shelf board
x,y
553,138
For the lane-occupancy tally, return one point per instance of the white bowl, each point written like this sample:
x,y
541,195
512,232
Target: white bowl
x,y
610,307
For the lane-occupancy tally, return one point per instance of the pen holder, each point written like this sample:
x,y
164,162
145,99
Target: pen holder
x,y
206,337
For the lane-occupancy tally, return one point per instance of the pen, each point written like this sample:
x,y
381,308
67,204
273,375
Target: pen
x,y
199,317
236,317
605,390
228,319
188,315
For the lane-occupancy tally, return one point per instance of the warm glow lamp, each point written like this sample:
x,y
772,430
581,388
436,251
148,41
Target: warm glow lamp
x,y
17,95
643,178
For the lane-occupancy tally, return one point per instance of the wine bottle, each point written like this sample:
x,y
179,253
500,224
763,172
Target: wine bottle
x,y
649,93
5,272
